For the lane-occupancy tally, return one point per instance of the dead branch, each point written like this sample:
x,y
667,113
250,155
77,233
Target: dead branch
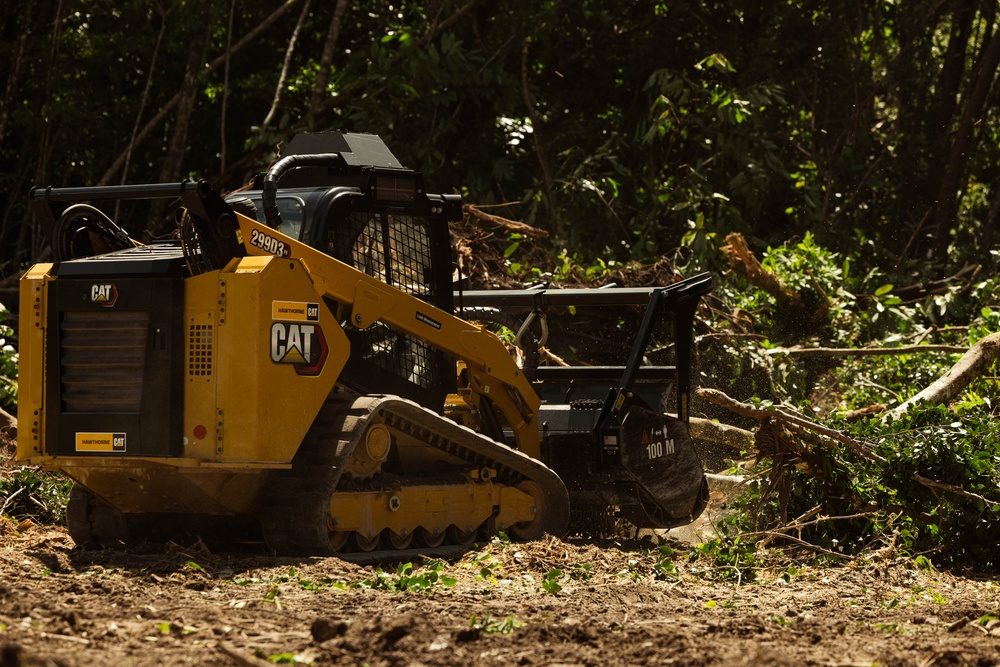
x,y
826,352
744,263
773,414
7,421
802,543
8,435
920,291
973,363
746,410
861,413
724,434
552,356
241,657
951,488
504,223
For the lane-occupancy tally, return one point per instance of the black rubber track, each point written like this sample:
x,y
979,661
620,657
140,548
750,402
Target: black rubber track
x,y
295,515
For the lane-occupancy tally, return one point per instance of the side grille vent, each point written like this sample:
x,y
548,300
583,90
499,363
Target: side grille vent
x,y
200,346
102,356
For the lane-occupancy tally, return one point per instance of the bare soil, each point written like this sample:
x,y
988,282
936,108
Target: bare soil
x,y
618,603
60,605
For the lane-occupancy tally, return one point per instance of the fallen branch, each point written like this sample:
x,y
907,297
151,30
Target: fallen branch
x,y
552,356
772,414
747,410
723,434
973,363
825,352
743,262
242,657
801,543
7,421
951,488
504,223
8,435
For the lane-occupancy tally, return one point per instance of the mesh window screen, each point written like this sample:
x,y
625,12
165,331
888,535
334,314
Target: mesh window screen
x,y
395,249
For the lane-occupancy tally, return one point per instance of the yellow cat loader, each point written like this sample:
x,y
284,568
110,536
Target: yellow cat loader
x,y
296,366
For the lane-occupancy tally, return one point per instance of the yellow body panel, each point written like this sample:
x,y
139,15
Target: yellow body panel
x,y
31,364
244,412
262,352
254,406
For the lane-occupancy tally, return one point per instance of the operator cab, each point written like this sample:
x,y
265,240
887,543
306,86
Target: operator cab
x,y
347,196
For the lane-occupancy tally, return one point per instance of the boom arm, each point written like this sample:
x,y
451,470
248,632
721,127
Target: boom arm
x,y
492,372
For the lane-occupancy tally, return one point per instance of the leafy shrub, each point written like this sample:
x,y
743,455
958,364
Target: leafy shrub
x,y
8,364
29,493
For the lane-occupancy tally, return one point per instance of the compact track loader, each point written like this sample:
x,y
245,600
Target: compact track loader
x,y
297,366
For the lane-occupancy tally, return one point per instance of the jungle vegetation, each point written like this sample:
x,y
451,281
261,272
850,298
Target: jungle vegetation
x,y
853,147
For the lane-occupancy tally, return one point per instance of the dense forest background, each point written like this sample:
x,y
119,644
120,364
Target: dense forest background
x,y
852,146
623,128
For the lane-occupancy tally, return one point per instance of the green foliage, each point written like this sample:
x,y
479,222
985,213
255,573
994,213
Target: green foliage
x,y
663,567
29,493
731,559
490,625
663,129
954,446
288,659
889,511
8,364
550,583
428,577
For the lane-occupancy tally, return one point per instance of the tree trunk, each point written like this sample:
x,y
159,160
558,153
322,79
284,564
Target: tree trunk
x,y
225,87
185,108
326,59
172,103
975,98
939,125
988,233
177,144
286,64
536,134
153,61
972,364
17,68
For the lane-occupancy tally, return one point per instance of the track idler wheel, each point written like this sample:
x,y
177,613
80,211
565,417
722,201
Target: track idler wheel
x,y
457,535
364,543
338,538
429,539
398,541
535,528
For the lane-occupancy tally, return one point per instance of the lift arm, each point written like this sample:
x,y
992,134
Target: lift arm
x,y
493,374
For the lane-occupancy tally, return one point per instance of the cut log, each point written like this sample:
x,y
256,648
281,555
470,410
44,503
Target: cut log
x,y
973,364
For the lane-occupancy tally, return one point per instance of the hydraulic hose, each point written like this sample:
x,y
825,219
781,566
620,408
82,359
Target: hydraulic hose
x,y
269,187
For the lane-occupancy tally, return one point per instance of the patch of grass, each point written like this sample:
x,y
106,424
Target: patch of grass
x,y
550,584
420,580
289,659
29,493
490,625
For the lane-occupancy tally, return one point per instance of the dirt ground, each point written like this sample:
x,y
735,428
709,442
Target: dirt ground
x,y
544,603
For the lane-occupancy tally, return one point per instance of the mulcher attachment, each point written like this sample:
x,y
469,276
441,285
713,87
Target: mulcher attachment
x,y
606,429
